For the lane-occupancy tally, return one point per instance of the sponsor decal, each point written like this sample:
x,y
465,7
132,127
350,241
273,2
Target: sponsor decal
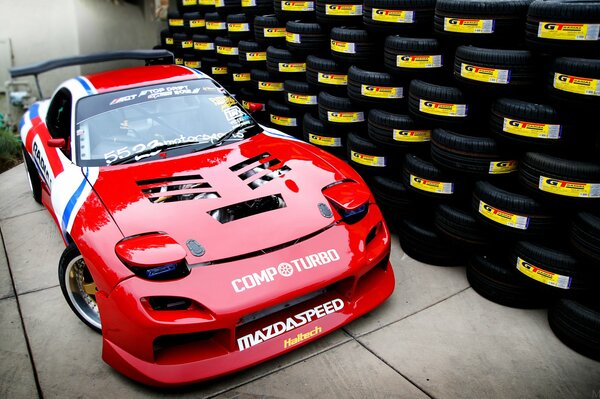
x,y
483,74
274,32
418,61
503,217
345,117
325,141
394,16
577,85
284,269
216,25
292,67
431,186
443,109
297,6
367,160
412,136
204,46
192,64
459,25
532,129
291,323
543,276
270,86
332,79
304,99
256,56
197,23
248,3
343,9
283,120
41,160
569,188
175,22
227,50
381,91
238,27
219,70
568,31
343,47
241,77
302,337
500,167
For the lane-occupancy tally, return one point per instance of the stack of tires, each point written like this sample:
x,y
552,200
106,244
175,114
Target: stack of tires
x,y
473,121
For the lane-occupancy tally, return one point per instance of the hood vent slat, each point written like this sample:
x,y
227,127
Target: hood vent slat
x,y
177,188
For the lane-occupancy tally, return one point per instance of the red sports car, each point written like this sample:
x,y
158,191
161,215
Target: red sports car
x,y
197,241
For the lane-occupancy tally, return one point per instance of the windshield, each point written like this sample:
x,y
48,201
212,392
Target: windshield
x,y
194,114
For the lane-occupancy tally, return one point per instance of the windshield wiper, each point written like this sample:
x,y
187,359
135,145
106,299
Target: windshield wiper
x,y
149,152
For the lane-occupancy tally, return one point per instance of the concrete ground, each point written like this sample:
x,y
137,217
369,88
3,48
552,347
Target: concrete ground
x,y
434,338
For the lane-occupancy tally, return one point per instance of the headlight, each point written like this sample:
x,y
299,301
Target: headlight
x,y
349,198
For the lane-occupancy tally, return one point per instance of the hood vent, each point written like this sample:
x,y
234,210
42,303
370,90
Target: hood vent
x,y
254,167
244,209
177,188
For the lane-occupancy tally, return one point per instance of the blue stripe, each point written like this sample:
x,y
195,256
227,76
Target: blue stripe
x,y
72,201
34,110
85,85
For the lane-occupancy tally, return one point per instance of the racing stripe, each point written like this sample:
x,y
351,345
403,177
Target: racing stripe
x,y
87,85
66,216
72,189
195,71
276,133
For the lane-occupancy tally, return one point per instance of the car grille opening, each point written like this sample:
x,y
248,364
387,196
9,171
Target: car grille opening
x,y
169,303
248,208
253,167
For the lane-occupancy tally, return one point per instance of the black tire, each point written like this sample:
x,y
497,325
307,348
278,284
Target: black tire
x,y
366,156
393,198
498,22
470,155
35,183
215,25
300,96
285,64
575,83
561,181
175,22
340,112
398,16
544,15
354,46
252,54
460,226
289,10
166,39
257,7
216,69
328,75
204,45
315,132
419,240
414,58
576,322
552,267
494,279
226,7
427,181
283,118
266,85
77,285
375,89
192,60
269,30
510,213
182,42
227,49
341,12
397,131
584,236
194,23
435,104
239,27
306,38
240,75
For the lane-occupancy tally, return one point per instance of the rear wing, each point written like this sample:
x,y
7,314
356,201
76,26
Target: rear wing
x,y
150,56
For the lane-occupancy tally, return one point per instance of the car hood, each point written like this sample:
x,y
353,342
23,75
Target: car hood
x,y
223,198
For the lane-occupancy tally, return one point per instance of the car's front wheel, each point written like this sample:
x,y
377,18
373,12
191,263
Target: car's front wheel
x,y
35,184
78,287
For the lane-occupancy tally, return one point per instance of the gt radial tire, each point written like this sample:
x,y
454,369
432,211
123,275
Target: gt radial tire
x,y
257,7
575,83
269,31
283,118
184,6
366,156
339,12
397,131
528,126
427,181
561,181
300,96
282,63
576,322
460,226
252,54
266,85
287,10
166,39
239,27
564,27
191,60
414,58
470,155
493,278
182,42
216,69
585,236
486,22
494,72
227,49
35,183
215,25
306,38
204,46
175,22
511,214
194,23
249,100
419,240
240,75
393,198
339,112
354,46
555,269
398,16
438,105
375,89
331,140
226,7
328,75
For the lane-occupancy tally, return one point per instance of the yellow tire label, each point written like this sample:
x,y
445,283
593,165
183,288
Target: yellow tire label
x,y
256,56
197,23
568,31
501,167
343,9
431,186
270,86
178,61
169,40
190,2
292,67
367,160
569,188
418,61
395,16
283,120
219,3
486,75
176,22
204,46
241,77
303,99
248,3
215,25
297,5
325,141
543,276
502,217
412,136
343,47
332,79
192,64
460,25
345,117
577,85
206,2
292,37
227,50
187,44
381,91
219,70
238,27
274,32
532,129
443,109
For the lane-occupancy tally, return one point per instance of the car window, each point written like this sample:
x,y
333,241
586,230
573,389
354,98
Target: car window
x,y
116,125
58,118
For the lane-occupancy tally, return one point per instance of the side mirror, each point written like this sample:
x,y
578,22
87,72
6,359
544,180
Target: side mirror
x,y
56,143
254,107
